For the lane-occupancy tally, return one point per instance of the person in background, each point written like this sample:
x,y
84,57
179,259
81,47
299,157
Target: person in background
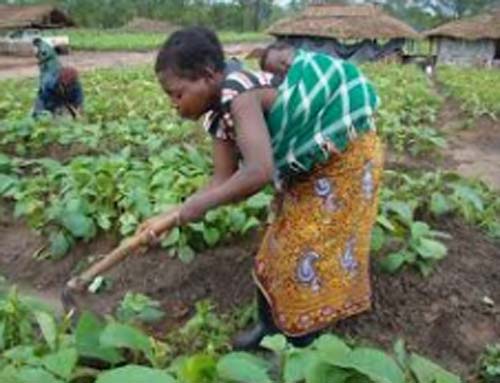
x,y
60,91
314,138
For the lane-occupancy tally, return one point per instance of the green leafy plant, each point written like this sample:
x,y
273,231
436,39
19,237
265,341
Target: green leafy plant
x,y
489,364
139,307
472,87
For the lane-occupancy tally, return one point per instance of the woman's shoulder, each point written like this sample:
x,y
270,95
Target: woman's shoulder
x,y
242,80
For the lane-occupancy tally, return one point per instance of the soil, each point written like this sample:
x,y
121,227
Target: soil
x,y
450,316
473,143
23,67
447,316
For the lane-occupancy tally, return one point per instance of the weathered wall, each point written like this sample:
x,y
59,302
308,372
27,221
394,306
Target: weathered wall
x,y
365,50
464,52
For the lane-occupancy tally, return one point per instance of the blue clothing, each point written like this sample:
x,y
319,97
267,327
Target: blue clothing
x,y
54,97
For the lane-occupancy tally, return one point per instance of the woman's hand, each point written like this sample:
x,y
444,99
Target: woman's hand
x,y
195,207
159,224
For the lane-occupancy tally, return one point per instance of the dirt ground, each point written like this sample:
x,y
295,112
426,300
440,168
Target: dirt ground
x,y
450,316
473,144
447,316
21,67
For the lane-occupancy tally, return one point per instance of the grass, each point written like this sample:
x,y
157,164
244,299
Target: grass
x,y
119,40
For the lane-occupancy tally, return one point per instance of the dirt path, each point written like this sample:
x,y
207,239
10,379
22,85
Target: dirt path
x,y
473,143
21,67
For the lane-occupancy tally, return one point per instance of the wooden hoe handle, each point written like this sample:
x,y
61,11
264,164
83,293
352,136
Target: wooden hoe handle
x,y
128,246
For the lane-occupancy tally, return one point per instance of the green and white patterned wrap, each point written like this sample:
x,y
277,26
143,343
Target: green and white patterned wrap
x,y
322,104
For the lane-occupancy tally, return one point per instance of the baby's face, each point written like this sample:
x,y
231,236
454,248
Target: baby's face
x,y
277,62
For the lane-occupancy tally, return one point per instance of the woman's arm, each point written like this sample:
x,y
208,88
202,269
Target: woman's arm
x,y
225,159
256,171
229,184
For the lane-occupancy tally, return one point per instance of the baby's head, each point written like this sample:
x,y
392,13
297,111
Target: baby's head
x,y
190,67
277,58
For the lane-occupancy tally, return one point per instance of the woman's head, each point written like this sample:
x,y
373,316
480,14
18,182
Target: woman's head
x,y
190,66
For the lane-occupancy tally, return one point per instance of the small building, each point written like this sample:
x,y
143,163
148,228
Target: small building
x,y
473,41
358,32
15,17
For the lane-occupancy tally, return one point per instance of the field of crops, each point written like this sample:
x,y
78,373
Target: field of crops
x,y
130,157
119,40
476,89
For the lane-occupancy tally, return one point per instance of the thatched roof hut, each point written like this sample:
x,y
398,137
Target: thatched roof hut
x,y
346,31
344,22
469,41
33,16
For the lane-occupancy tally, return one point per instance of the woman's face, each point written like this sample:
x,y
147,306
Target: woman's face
x,y
190,97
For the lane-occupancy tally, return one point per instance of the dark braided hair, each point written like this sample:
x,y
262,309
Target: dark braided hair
x,y
189,51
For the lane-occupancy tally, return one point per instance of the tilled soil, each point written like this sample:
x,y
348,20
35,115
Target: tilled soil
x,y
445,316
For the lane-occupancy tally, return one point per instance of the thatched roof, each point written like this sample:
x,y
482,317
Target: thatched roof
x,y
344,22
33,16
484,26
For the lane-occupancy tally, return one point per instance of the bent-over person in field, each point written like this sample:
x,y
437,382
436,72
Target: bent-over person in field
x,y
313,137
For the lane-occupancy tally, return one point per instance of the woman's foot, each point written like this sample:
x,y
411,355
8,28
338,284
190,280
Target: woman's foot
x,y
250,338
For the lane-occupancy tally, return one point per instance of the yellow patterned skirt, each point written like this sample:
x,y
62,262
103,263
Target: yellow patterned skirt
x,y
313,265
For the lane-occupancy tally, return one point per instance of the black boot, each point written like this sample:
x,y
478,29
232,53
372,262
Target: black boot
x,y
250,338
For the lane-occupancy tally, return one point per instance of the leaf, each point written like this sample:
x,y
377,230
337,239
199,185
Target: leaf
x,y
36,375
250,224
117,335
383,221
276,343
22,355
378,239
9,375
88,332
393,262
211,235
48,327
172,238
61,363
321,372
259,201
400,352
59,244
198,369
425,268
375,364
431,249
426,371
2,334
468,194
419,230
78,224
297,362
7,183
331,347
403,210
135,374
439,204
243,368
186,254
